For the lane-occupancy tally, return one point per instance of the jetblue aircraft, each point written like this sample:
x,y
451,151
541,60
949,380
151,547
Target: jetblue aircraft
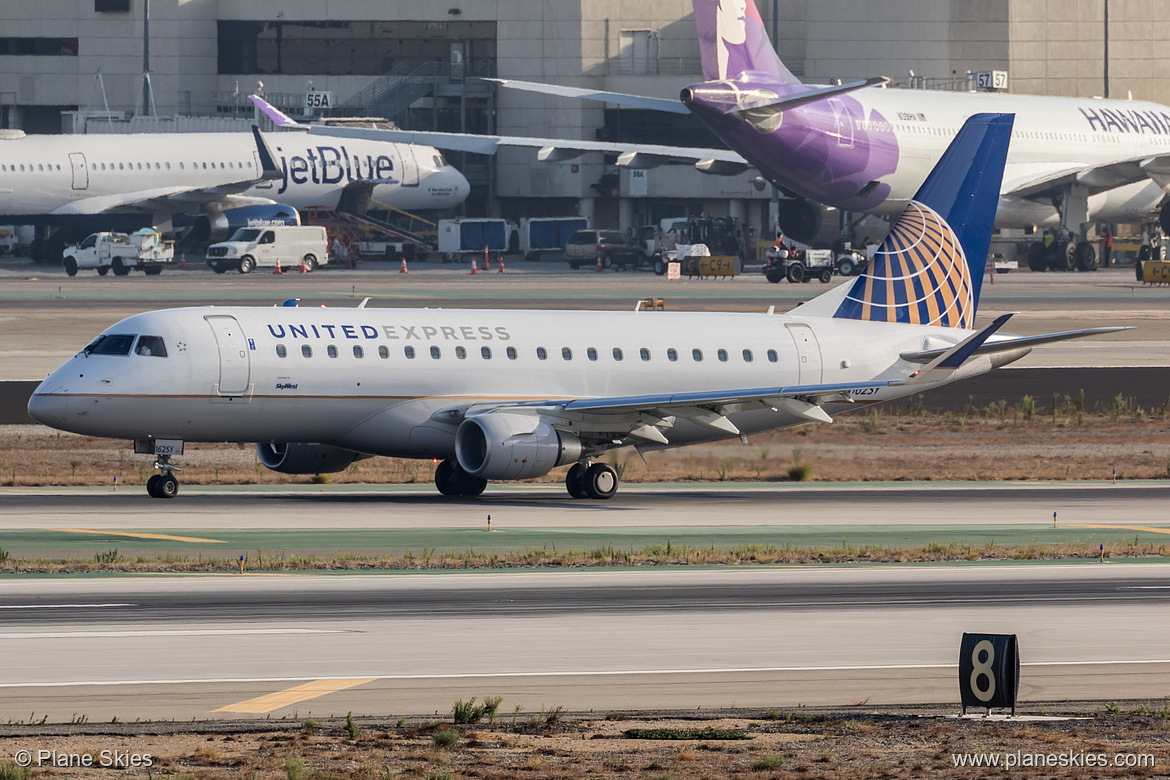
x,y
865,148
511,395
104,182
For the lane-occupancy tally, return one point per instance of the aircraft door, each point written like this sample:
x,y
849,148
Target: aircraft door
x,y
80,171
234,362
409,172
808,353
844,124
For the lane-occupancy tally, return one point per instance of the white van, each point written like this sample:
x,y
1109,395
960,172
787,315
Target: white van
x,y
262,247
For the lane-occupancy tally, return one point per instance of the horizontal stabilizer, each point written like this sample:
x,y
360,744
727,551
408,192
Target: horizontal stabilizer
x,y
1012,342
801,98
618,98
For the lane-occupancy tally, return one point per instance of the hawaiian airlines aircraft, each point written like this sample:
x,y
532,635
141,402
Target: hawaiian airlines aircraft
x,y
100,182
511,395
865,148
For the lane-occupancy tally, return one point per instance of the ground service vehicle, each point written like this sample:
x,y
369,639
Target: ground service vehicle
x,y
289,246
586,247
548,234
798,265
470,236
143,249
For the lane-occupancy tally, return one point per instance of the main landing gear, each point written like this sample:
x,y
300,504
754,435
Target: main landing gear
x,y
452,480
598,480
163,485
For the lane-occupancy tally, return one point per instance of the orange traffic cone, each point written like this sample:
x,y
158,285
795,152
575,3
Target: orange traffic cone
x,y
599,268
501,259
183,260
474,270
278,271
304,268
402,270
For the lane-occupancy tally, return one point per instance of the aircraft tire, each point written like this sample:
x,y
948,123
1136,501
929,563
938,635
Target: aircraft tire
x,y
247,263
105,269
795,273
1061,256
1086,257
167,486
310,263
152,486
575,481
70,264
444,478
1137,270
1164,218
846,267
600,481
1036,259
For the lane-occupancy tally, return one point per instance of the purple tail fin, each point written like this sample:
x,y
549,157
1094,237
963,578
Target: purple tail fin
x,y
732,41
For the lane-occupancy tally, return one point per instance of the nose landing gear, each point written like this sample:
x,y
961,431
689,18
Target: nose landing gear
x,y
163,485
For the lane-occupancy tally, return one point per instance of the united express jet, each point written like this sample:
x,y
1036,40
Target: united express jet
x,y
511,395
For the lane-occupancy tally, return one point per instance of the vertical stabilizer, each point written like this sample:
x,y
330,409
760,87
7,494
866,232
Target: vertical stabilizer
x,y
929,269
732,41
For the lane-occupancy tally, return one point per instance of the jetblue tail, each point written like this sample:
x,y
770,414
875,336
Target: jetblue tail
x,y
732,41
929,269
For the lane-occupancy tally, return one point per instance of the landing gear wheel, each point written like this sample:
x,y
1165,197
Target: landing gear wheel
x,y
826,275
167,486
796,273
1036,260
1137,270
1086,257
846,267
575,481
1060,256
452,480
152,486
600,481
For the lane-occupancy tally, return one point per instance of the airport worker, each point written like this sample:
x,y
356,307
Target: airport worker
x,y
1107,246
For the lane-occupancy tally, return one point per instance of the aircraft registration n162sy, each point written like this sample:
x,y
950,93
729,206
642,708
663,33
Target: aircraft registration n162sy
x,y
511,395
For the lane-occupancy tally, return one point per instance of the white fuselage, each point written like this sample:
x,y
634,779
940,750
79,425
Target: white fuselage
x,y
91,174
358,387
1051,135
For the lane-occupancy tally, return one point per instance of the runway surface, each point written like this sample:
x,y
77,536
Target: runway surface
x,y
294,645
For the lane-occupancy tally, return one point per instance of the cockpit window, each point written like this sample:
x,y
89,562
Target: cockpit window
x,y
440,162
110,344
151,346
246,234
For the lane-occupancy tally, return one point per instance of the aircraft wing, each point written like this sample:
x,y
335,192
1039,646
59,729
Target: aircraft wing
x,y
647,419
556,149
1042,180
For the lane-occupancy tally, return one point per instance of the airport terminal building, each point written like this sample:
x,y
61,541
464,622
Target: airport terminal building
x,y
420,65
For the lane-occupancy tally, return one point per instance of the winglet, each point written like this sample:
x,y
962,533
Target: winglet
x,y
278,117
268,167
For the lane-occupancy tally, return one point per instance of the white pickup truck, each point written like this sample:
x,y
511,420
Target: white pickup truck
x,y
143,249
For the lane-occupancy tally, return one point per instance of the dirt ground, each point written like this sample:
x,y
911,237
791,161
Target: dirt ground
x,y
845,744
996,442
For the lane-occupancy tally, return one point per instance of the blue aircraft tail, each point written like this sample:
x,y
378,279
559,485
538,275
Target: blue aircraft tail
x,y
732,41
929,269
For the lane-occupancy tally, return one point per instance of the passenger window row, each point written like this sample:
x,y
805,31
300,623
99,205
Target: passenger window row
x,y
722,355
131,166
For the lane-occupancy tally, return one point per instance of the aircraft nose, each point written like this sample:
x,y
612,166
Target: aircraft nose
x,y
48,408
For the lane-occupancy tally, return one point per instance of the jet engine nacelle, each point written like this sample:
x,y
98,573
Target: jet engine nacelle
x,y
216,226
305,458
502,445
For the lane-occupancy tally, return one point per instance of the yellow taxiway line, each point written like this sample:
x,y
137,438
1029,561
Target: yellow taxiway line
x,y
274,701
1145,528
165,537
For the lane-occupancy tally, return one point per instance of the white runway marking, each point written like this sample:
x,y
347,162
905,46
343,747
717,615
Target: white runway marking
x,y
522,675
172,632
65,606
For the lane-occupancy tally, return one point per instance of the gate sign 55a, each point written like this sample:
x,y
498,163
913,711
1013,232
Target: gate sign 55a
x,y
989,671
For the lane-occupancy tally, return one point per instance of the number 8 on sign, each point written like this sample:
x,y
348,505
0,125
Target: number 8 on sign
x,y
983,669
